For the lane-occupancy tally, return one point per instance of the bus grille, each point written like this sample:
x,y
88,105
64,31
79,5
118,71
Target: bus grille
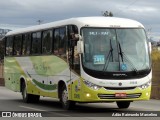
x,y
116,88
112,96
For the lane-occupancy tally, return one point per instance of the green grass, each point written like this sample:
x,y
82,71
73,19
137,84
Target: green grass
x,y
156,65
156,74
155,55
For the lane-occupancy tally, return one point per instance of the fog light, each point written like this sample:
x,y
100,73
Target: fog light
x,y
88,95
147,94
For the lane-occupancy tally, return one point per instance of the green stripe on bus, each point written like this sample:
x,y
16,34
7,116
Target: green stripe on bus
x,y
44,86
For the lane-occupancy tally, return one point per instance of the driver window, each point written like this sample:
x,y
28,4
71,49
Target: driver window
x,y
73,56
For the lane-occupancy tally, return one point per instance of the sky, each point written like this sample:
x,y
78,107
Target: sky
x,y
21,13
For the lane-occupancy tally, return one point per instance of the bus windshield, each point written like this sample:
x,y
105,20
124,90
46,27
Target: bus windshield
x,y
115,49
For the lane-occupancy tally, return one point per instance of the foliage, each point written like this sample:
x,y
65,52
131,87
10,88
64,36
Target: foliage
x,y
1,50
107,14
155,55
156,74
156,66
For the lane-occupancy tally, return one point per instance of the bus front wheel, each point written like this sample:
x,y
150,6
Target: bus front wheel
x,y
67,104
123,104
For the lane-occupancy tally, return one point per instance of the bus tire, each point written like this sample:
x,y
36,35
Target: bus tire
x,y
26,97
66,104
123,104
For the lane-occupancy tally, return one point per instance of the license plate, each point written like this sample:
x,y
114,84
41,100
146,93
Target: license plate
x,y
120,95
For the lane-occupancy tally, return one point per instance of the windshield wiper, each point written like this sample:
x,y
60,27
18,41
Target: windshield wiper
x,y
108,57
122,54
120,51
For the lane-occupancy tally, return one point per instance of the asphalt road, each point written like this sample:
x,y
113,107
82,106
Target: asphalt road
x,y
12,102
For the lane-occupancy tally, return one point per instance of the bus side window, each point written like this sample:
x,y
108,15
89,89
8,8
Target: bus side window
x,y
56,41
36,43
9,46
17,44
60,39
47,42
26,44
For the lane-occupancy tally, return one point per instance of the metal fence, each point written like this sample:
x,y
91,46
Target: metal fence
x,y
1,74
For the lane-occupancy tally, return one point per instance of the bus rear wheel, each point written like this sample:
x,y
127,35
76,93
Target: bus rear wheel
x,y
123,104
28,98
67,104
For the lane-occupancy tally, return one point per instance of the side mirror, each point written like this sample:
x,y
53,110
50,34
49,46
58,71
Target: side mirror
x,y
80,48
74,39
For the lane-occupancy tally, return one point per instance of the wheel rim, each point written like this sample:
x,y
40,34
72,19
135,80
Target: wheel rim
x,y
65,97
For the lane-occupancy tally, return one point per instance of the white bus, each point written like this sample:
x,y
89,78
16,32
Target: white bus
x,y
86,59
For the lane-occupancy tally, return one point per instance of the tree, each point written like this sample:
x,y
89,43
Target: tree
x,y
107,14
1,49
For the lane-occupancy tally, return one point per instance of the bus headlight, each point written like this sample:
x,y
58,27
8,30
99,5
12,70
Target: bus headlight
x,y
146,85
91,85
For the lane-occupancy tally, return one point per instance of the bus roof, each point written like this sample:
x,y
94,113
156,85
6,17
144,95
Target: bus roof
x,y
82,22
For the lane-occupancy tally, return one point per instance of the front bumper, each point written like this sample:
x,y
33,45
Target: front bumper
x,y
103,95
